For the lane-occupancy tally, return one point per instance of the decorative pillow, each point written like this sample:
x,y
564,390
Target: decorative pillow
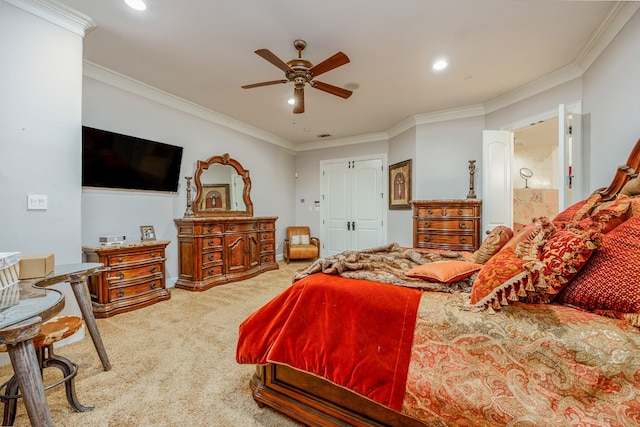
x,y
632,187
585,210
492,244
511,274
634,206
563,255
566,216
295,239
304,239
605,218
444,271
608,284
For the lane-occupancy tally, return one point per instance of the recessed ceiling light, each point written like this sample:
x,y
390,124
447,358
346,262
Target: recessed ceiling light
x,y
440,64
291,101
136,4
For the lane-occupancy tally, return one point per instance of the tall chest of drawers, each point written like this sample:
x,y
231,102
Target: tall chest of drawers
x,y
452,224
134,276
213,251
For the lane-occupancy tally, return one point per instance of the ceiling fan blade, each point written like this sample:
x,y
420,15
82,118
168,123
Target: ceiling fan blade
x,y
329,64
272,82
271,57
333,90
298,96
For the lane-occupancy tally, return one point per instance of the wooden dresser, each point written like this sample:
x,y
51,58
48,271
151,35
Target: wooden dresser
x,y
452,224
135,276
217,250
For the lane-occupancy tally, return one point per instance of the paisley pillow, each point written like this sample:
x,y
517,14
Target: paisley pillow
x,y
492,244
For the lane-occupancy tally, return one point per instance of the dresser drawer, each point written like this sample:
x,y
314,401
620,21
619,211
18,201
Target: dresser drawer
x,y
438,239
267,225
123,292
212,243
137,272
135,257
267,235
446,211
266,247
244,226
211,257
211,271
446,224
204,229
267,258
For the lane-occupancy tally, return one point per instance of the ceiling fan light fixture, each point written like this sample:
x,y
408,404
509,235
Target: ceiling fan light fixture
x,y
136,4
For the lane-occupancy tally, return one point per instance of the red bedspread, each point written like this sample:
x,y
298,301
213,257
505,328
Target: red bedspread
x,y
349,343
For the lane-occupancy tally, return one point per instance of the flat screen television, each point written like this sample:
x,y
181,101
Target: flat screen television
x,y
113,160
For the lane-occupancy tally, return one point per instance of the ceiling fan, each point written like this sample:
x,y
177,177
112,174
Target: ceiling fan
x,y
300,72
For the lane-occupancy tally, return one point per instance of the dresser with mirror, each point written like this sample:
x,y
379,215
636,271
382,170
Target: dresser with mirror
x,y
219,239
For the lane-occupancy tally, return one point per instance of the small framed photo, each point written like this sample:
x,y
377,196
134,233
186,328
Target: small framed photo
x,y
147,232
400,185
215,197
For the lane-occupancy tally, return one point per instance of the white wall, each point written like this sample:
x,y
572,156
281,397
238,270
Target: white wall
x,y
400,222
40,87
123,212
443,151
611,102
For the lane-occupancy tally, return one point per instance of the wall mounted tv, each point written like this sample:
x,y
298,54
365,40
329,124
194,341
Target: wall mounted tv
x,y
113,160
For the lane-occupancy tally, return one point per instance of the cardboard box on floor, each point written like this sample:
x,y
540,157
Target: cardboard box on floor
x,y
33,266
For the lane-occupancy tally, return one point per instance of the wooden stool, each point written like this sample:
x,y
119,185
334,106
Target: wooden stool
x,y
52,331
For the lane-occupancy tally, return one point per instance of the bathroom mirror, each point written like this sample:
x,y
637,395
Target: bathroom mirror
x,y
223,188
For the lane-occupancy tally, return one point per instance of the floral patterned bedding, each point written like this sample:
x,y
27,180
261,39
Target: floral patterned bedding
x,y
526,365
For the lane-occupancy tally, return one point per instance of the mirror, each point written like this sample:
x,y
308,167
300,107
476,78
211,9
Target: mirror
x,y
223,188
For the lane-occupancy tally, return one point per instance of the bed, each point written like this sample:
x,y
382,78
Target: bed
x,y
544,332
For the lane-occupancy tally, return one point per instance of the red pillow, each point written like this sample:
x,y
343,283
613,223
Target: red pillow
x,y
609,283
511,273
566,216
605,218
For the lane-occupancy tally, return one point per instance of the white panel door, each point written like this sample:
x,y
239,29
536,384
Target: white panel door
x,y
367,204
497,204
352,205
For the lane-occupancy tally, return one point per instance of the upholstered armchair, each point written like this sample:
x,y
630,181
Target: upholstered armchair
x,y
299,244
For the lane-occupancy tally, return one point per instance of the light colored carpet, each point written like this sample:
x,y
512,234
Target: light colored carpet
x,y
173,363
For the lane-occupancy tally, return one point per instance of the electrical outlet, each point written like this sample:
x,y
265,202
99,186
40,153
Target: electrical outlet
x,y
37,202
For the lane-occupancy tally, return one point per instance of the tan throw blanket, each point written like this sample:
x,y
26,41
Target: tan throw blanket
x,y
387,264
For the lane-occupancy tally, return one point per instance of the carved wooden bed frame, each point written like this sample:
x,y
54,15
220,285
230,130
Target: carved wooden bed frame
x,y
317,402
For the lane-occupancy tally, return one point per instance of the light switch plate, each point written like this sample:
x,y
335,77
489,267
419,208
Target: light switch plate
x,y
37,202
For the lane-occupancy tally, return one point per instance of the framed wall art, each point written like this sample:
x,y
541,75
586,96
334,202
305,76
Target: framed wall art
x,y
400,185
215,197
147,233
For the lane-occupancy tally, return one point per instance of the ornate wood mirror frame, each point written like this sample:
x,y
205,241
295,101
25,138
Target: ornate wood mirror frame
x,y
217,182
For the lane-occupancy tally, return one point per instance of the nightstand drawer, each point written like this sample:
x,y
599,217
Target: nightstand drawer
x,y
123,292
137,272
130,258
446,224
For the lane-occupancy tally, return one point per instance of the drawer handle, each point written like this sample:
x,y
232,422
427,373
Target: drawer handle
x,y
210,229
153,285
153,254
210,242
463,240
426,223
120,259
425,238
430,211
210,257
211,272
120,293
121,275
232,228
153,269
463,225
265,247
459,211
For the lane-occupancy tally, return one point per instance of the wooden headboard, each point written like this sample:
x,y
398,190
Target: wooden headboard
x,y
625,172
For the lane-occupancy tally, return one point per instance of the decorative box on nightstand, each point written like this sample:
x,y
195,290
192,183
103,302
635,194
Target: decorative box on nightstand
x,y
134,276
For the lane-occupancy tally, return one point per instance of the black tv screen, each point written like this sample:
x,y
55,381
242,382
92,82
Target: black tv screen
x,y
113,160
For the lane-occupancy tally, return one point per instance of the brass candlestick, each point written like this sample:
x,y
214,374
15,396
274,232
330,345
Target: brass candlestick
x,y
472,172
189,212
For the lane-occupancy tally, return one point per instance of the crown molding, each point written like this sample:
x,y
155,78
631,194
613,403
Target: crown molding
x,y
340,142
613,23
56,13
136,87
